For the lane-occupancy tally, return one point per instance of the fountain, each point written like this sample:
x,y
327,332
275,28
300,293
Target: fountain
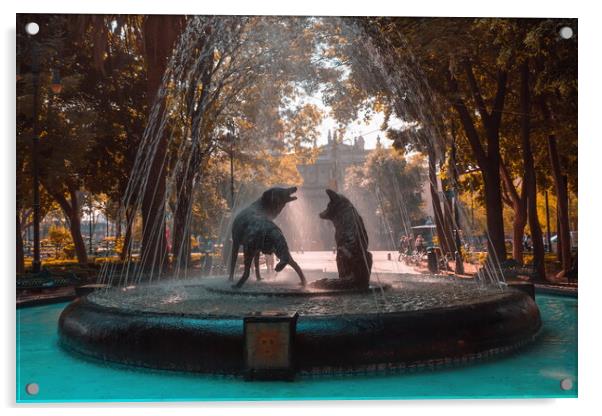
x,y
378,321
195,326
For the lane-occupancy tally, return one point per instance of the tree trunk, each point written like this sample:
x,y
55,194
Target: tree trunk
x,y
71,212
518,232
117,227
558,236
439,220
536,236
75,228
564,245
20,250
444,236
160,34
181,247
181,229
519,207
495,218
530,182
493,192
153,253
488,159
126,249
78,241
448,219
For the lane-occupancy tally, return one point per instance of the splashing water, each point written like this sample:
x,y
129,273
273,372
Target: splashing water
x,y
213,46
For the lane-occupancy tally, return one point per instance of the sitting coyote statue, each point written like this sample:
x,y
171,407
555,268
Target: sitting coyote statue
x,y
354,261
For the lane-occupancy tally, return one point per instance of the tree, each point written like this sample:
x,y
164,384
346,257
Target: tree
x,y
470,64
378,79
556,98
143,44
59,237
525,203
222,83
24,185
154,108
160,35
65,122
395,183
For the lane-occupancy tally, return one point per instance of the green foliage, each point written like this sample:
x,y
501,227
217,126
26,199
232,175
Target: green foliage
x,y
395,181
261,67
60,238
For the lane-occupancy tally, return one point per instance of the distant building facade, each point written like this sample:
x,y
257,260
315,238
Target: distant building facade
x,y
328,172
301,223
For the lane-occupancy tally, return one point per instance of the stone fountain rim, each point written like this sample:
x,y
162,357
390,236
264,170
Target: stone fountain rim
x,y
292,293
482,300
203,344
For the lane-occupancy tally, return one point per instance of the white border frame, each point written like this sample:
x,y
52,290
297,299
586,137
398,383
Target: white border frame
x,y
589,151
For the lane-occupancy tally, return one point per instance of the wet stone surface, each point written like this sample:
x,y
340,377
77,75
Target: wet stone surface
x,y
209,297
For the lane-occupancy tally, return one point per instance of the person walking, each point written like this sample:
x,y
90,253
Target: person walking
x,y
419,243
403,246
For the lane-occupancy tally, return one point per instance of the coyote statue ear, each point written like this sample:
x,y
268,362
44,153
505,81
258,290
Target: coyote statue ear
x,y
268,196
332,195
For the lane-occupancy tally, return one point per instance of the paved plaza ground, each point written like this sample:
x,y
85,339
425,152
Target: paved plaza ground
x,y
326,261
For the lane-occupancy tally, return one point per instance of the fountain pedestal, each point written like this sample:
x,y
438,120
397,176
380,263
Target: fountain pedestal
x,y
417,322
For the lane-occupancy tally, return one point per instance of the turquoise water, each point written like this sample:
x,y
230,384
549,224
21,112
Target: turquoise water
x,y
534,371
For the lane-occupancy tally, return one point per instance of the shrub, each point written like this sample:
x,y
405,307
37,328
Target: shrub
x,y
59,237
69,251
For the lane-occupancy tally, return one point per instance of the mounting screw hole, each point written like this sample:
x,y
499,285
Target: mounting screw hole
x,y
566,32
566,384
32,389
32,28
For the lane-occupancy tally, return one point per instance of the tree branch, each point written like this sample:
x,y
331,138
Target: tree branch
x,y
508,184
467,122
476,92
498,103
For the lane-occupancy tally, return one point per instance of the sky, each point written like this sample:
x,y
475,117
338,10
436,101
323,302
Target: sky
x,y
368,130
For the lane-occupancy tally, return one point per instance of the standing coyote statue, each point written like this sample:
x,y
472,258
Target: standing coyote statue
x,y
254,229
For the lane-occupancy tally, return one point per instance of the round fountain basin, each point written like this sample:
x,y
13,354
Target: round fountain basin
x,y
197,325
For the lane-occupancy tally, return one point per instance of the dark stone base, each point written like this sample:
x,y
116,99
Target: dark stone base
x,y
271,289
198,343
525,287
339,284
87,289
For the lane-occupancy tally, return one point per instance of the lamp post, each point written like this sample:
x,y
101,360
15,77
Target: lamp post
x,y
548,233
90,223
35,72
231,132
32,29
231,137
459,259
